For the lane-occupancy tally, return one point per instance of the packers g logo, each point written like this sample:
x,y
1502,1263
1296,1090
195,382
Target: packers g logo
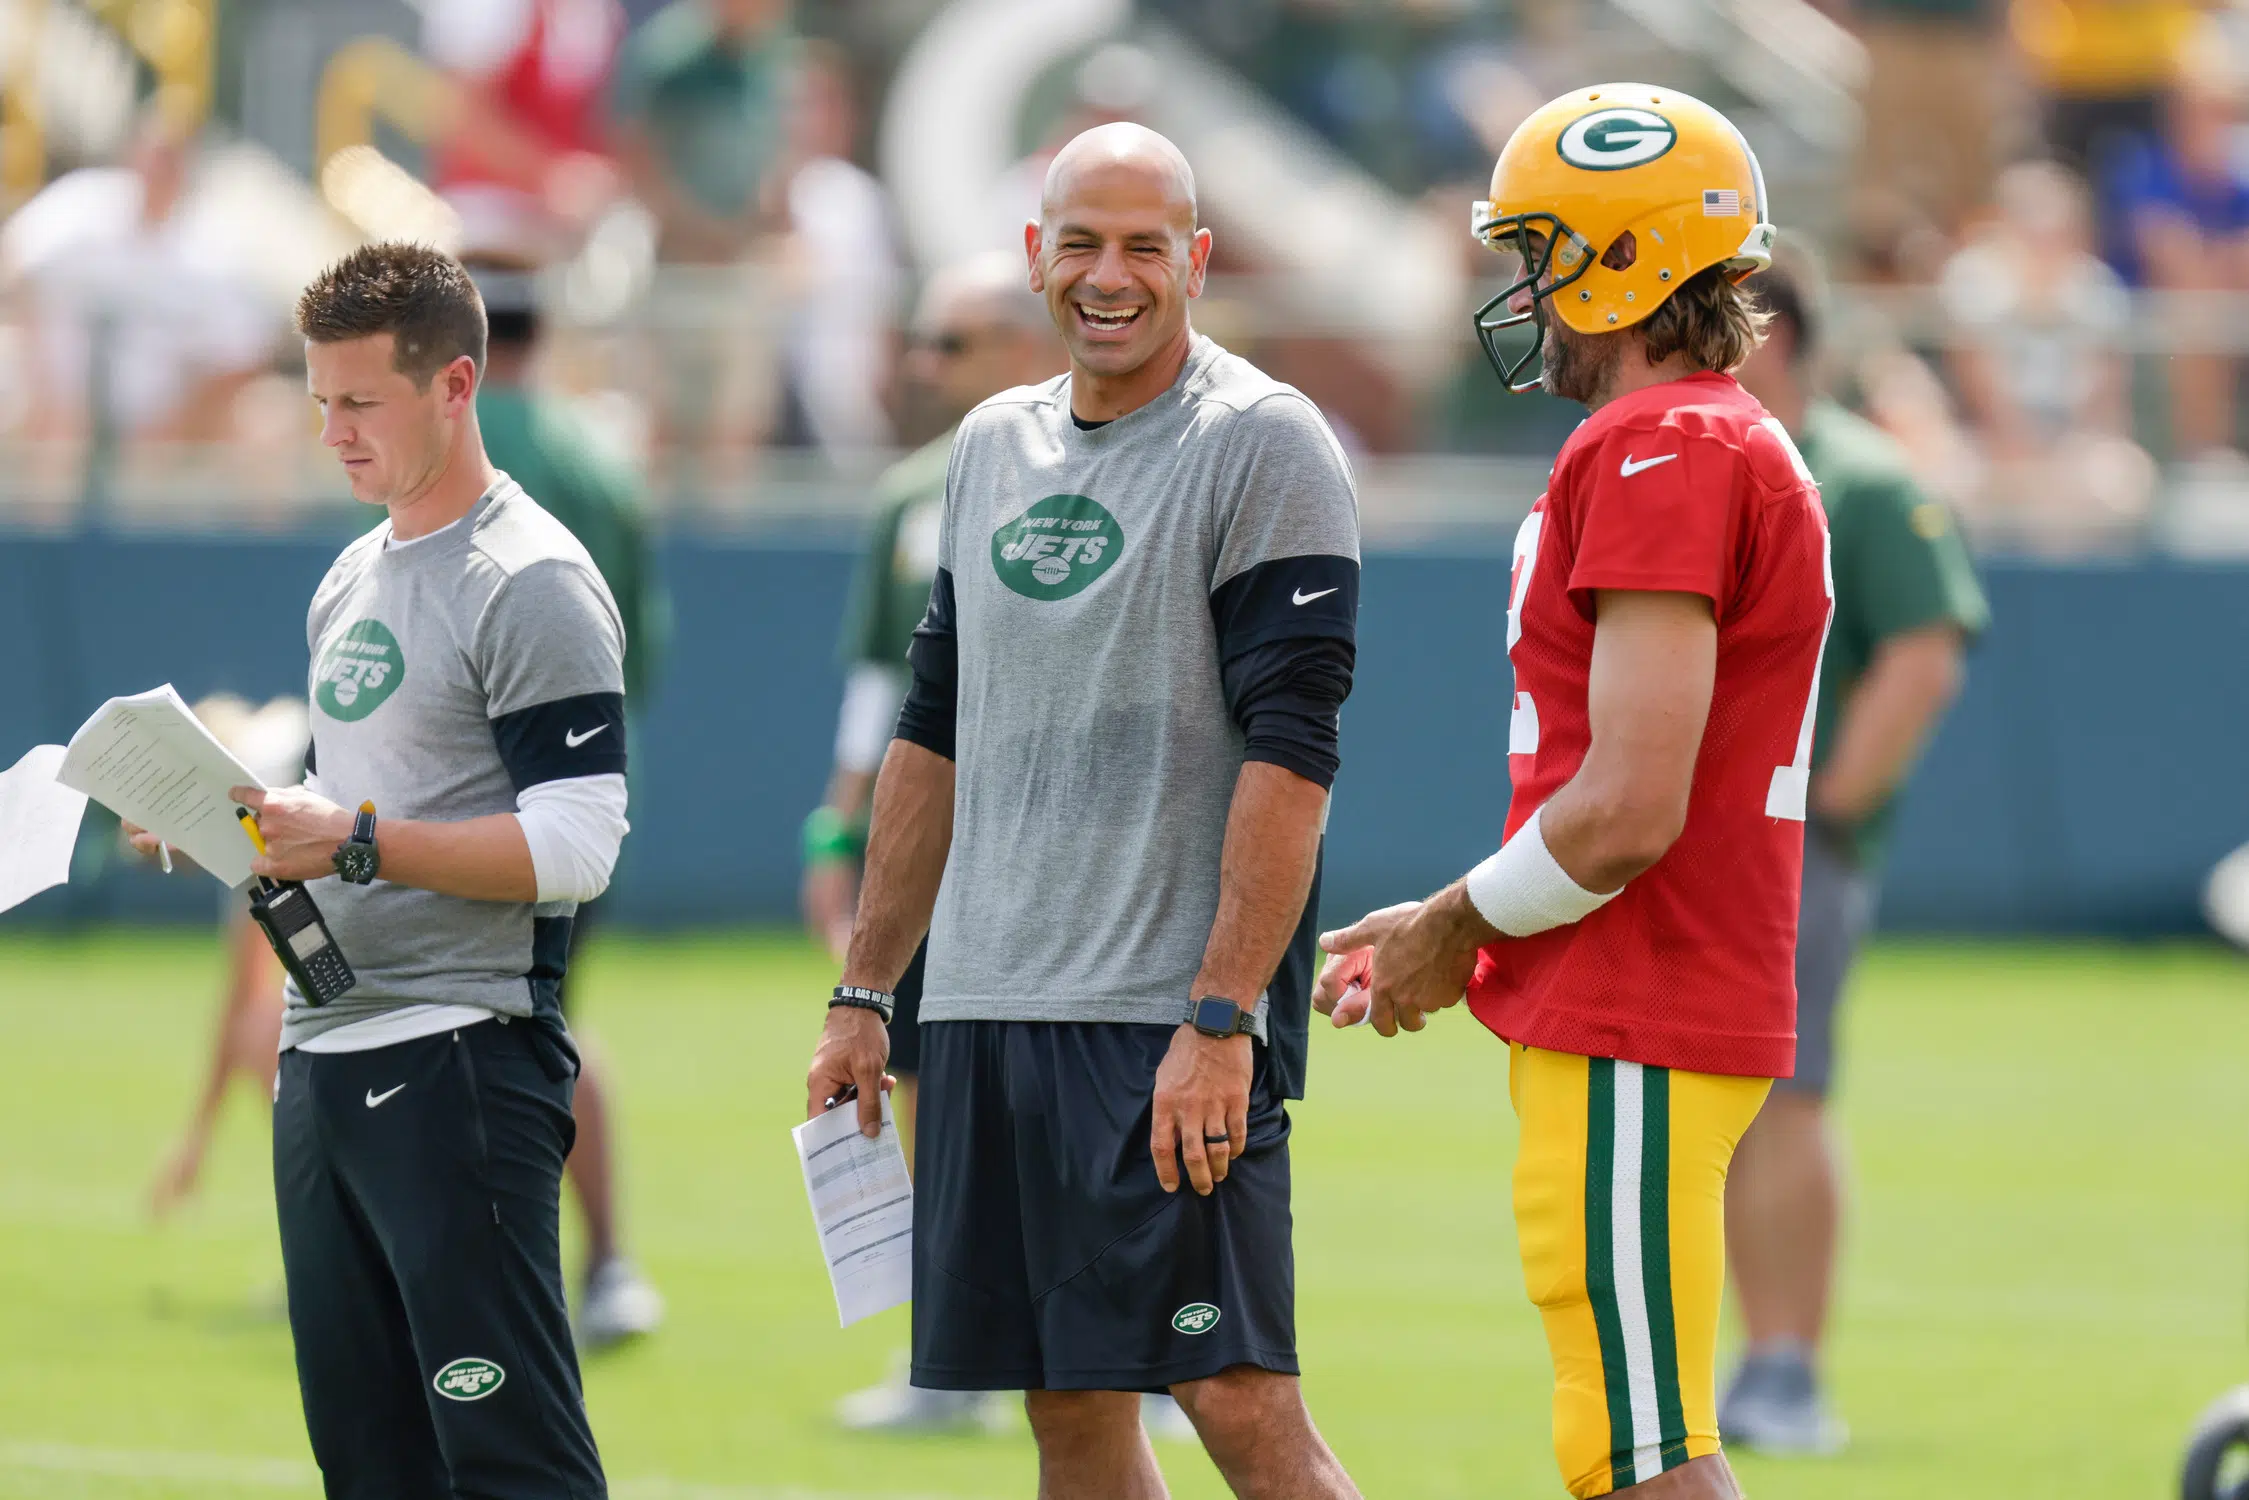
x,y
1609,140
360,669
1057,547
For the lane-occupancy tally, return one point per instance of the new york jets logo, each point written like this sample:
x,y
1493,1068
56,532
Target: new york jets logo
x,y
1057,547
469,1379
360,669
1195,1317
1610,139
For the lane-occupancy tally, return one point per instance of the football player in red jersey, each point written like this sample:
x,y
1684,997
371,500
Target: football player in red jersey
x,y
1633,939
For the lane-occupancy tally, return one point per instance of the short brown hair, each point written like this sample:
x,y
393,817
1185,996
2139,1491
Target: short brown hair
x,y
420,296
1713,321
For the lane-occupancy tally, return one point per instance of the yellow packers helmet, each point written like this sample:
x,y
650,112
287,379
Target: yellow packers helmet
x,y
1594,165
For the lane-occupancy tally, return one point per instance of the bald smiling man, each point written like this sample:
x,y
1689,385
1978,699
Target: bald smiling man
x,y
1103,804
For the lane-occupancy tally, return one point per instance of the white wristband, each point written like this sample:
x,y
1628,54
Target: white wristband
x,y
1522,890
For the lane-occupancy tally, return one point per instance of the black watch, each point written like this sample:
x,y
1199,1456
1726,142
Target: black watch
x,y
1215,1015
356,858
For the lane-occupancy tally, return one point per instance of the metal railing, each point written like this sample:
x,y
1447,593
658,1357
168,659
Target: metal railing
x,y
619,355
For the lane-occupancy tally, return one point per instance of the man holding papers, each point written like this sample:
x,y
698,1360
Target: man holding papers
x,y
1104,803
467,681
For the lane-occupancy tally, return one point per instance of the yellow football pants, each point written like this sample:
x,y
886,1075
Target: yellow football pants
x,y
1620,1194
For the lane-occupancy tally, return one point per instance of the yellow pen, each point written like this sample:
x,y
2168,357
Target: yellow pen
x,y
250,827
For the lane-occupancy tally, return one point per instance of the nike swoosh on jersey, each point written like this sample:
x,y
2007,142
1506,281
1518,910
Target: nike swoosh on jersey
x,y
1302,598
574,739
1630,468
374,1098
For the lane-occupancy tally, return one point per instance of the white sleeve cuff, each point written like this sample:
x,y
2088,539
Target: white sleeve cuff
x,y
575,828
1522,889
872,696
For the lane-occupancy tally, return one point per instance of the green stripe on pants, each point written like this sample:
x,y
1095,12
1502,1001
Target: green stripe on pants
x,y
1655,1256
1600,1261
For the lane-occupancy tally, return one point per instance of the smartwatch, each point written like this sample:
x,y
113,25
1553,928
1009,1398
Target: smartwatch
x,y
1217,1016
356,858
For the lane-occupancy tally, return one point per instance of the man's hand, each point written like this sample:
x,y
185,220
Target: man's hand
x,y
1351,959
1408,960
1201,1108
151,848
301,830
854,1045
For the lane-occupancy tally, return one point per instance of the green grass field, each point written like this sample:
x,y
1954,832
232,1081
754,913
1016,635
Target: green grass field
x,y
2046,1280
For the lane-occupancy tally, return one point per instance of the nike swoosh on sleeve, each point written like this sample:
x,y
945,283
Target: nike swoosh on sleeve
x,y
1630,468
1301,598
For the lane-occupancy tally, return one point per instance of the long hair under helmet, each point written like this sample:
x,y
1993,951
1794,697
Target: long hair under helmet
x,y
1594,165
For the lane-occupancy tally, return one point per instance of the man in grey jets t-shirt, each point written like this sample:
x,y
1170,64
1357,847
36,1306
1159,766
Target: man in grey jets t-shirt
x,y
1104,804
468,698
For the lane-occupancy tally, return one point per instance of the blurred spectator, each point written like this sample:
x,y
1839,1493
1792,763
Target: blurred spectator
x,y
1904,398
135,300
2100,66
2040,369
700,100
844,269
542,445
1114,83
524,160
2182,200
1468,410
246,1043
1932,128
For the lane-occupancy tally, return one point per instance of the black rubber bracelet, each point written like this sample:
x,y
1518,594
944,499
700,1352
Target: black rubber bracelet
x,y
858,999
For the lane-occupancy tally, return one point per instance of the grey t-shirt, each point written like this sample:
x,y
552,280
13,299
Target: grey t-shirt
x,y
449,674
1095,754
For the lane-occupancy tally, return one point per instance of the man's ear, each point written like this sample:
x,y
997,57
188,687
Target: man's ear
x,y
1033,238
460,385
1198,261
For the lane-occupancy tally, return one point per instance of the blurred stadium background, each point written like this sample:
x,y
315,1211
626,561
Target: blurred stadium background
x,y
2037,216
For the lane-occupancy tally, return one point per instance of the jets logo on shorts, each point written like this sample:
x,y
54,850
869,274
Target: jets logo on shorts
x,y
469,1379
1195,1317
1057,547
1609,140
360,669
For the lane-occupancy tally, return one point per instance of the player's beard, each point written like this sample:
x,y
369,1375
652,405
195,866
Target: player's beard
x,y
1577,366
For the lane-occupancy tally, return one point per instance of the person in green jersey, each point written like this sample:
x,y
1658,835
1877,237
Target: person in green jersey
x,y
535,440
977,332
700,106
1907,606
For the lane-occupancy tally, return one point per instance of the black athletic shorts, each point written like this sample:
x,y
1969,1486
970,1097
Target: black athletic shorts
x,y
905,1017
1832,920
1047,1256
418,1190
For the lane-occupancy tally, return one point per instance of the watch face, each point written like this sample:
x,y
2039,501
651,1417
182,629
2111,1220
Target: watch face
x,y
356,863
1214,1016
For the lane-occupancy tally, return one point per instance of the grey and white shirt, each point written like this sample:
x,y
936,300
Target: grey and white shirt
x,y
1122,616
449,676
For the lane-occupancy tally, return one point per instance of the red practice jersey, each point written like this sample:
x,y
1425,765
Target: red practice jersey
x,y
1685,487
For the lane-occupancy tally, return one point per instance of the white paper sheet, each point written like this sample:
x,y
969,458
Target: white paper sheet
x,y
39,819
149,760
863,1206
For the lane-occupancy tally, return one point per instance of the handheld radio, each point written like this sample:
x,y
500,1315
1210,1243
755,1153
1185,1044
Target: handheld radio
x,y
284,911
